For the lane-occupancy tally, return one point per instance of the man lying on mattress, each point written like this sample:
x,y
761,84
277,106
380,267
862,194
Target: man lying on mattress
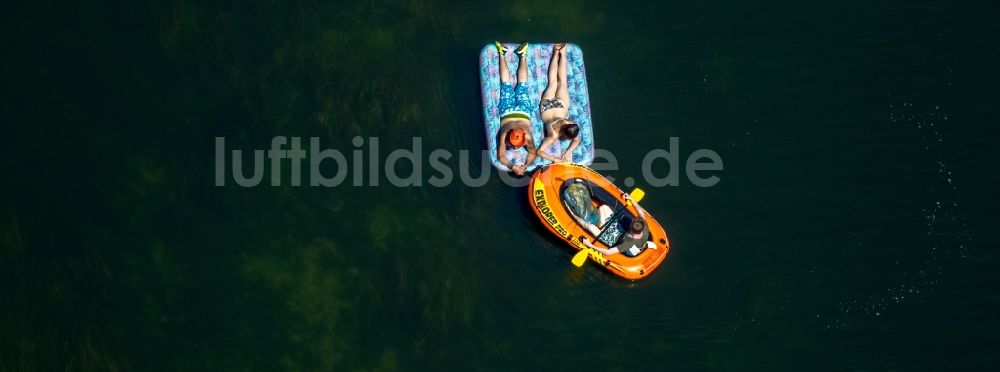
x,y
515,103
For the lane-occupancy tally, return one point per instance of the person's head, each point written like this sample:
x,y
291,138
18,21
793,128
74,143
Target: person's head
x,y
516,137
637,225
569,130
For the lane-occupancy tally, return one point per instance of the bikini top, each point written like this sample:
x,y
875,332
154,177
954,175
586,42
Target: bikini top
x,y
557,120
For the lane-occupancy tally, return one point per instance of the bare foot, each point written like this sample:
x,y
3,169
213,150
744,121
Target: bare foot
x,y
558,47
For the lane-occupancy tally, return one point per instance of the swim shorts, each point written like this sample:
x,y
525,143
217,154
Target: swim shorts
x,y
514,99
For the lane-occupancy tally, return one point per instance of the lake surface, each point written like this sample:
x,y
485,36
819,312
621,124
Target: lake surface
x,y
853,227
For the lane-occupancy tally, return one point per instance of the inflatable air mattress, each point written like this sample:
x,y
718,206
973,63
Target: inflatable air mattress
x,y
538,59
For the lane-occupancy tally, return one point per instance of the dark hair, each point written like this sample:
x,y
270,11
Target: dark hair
x,y
569,131
637,225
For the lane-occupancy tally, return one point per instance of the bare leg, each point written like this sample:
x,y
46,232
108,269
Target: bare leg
x,y
504,71
605,212
550,88
557,89
522,69
562,93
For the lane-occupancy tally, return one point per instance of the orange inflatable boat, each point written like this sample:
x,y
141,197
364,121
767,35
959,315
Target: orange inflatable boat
x,y
556,192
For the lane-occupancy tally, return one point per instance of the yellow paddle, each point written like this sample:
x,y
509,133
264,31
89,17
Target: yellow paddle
x,y
637,194
580,257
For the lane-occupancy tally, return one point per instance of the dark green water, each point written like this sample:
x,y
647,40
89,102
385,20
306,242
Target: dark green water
x,y
853,229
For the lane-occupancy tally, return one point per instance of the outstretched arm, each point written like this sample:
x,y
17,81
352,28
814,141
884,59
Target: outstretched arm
x,y
532,151
605,251
568,155
642,212
502,150
544,147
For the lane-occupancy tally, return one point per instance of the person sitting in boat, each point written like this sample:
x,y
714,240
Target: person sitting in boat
x,y
554,109
515,123
633,242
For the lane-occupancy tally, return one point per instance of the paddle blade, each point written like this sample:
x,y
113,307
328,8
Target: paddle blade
x,y
637,194
580,257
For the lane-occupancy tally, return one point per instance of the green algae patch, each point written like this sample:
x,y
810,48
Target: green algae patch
x,y
318,299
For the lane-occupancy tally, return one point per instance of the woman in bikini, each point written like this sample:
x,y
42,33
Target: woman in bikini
x,y
554,109
515,123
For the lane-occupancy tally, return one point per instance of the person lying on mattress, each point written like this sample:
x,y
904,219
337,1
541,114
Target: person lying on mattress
x,y
635,238
554,109
515,123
